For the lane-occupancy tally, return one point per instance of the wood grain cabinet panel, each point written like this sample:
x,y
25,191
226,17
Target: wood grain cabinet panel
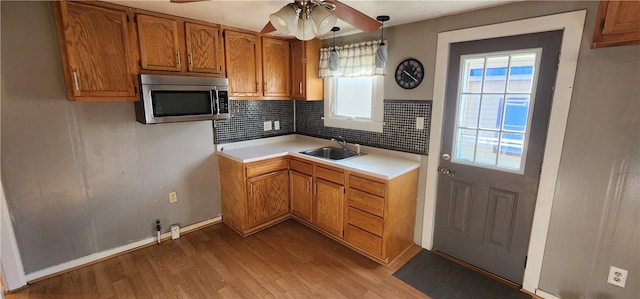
x,y
617,24
256,201
329,214
305,63
301,195
159,42
203,44
96,50
267,198
242,63
276,73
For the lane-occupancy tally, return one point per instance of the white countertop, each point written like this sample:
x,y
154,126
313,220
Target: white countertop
x,y
385,164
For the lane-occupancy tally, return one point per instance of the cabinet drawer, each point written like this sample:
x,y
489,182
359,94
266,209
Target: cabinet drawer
x,y
266,167
332,175
365,221
364,240
301,167
366,202
367,185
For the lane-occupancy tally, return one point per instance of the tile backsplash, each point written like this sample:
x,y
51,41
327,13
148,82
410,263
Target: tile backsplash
x,y
248,117
399,132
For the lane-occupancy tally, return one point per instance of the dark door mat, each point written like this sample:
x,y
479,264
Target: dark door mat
x,y
440,278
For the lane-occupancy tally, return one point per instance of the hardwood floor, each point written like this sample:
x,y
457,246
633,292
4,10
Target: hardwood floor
x,y
288,260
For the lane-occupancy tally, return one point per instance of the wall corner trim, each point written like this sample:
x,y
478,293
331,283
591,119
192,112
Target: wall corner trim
x,y
103,255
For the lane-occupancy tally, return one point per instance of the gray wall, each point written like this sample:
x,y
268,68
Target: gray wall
x,y
81,178
594,222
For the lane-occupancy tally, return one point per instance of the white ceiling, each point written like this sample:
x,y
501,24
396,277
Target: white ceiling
x,y
253,15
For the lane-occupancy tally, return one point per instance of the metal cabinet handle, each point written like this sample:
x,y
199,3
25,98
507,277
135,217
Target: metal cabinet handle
x,y
75,81
315,188
300,87
190,59
308,186
250,189
178,58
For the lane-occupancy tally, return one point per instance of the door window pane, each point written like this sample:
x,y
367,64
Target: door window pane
x,y
473,71
521,73
511,145
487,148
494,108
496,74
468,111
491,112
465,145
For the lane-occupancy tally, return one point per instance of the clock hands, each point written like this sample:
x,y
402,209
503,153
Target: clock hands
x,y
412,77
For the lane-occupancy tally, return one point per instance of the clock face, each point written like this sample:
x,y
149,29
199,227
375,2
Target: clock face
x,y
409,73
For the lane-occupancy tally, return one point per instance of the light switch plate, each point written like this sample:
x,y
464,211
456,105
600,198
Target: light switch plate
x,y
419,123
276,125
267,125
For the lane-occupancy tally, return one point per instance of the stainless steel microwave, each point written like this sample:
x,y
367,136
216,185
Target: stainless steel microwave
x,y
181,98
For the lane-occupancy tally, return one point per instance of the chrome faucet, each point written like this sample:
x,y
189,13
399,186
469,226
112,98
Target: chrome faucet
x,y
341,142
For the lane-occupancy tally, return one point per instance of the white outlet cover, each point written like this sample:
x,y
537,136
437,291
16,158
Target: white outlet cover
x,y
617,276
267,125
419,123
276,125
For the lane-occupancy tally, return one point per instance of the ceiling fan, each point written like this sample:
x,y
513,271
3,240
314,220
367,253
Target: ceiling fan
x,y
307,19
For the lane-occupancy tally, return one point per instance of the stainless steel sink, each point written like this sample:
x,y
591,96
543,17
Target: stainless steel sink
x,y
331,153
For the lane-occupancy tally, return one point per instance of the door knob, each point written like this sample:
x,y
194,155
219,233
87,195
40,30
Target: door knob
x,y
446,156
446,171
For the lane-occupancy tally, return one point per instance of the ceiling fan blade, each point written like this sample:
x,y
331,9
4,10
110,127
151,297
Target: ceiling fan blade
x,y
354,17
268,28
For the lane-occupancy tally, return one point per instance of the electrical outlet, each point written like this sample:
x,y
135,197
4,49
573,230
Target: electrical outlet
x,y
267,125
276,125
419,123
617,276
173,197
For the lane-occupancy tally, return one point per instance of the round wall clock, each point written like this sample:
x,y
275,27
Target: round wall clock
x,y
409,73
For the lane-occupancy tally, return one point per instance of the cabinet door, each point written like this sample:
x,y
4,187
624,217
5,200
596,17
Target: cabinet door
x,y
301,196
159,43
617,24
243,70
298,64
330,207
305,62
98,64
276,71
267,197
202,48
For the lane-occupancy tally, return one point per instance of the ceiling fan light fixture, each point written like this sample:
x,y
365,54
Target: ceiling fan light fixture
x,y
284,20
305,29
323,19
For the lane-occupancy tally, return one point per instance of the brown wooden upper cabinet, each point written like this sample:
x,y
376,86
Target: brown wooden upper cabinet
x,y
276,72
177,45
257,67
305,62
96,50
617,24
242,54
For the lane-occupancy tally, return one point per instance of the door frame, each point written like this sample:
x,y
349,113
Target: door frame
x,y
572,23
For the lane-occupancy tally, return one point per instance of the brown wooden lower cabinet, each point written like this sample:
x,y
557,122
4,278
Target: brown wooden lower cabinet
x,y
374,216
254,195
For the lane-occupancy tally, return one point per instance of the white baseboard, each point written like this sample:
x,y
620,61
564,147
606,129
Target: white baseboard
x,y
85,260
546,295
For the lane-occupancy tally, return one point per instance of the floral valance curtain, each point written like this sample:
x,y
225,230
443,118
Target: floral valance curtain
x,y
355,60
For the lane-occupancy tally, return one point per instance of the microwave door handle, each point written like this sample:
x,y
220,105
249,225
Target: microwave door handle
x,y
217,102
